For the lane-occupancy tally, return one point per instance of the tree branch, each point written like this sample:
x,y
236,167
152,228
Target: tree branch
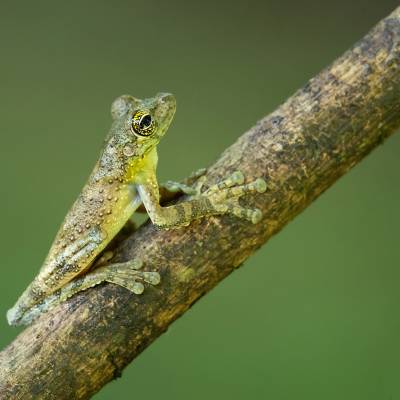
x,y
301,149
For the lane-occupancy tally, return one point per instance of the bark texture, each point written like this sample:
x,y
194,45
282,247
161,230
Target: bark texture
x,y
301,149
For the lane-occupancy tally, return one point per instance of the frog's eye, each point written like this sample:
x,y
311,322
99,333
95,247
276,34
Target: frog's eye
x,y
143,123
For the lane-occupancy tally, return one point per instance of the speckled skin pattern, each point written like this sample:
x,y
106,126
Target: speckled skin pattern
x,y
302,148
123,179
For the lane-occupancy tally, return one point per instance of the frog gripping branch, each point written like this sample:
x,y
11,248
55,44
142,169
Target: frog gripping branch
x,y
302,148
123,180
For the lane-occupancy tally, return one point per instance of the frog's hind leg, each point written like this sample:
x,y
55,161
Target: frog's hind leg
x,y
125,274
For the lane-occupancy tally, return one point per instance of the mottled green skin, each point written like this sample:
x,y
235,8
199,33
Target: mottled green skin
x,y
122,180
106,202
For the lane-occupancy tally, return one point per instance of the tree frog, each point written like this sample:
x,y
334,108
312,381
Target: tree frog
x,y
123,180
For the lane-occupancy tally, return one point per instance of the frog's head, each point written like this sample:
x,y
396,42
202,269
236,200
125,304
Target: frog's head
x,y
140,124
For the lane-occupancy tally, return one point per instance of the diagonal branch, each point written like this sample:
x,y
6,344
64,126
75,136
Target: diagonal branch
x,y
301,149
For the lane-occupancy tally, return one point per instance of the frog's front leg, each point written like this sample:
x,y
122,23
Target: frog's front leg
x,y
190,186
176,187
221,198
170,190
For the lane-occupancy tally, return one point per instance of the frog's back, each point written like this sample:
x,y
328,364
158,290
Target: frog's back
x,y
98,214
101,210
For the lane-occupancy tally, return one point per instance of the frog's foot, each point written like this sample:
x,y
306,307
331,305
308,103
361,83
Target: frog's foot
x,y
195,176
126,274
175,187
104,259
188,185
129,276
224,196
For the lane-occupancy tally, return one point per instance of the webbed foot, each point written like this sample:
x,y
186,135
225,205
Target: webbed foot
x,y
126,274
225,195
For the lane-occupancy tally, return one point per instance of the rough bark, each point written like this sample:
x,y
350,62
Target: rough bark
x,y
301,149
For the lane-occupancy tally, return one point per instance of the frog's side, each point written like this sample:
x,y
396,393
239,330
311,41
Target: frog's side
x,y
123,179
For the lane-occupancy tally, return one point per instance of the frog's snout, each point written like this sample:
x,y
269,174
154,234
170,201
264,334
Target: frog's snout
x,y
164,110
166,104
166,98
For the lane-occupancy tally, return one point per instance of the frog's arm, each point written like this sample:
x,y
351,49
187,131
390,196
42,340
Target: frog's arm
x,y
221,198
171,190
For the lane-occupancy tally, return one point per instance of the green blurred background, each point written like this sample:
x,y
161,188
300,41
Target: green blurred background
x,y
312,315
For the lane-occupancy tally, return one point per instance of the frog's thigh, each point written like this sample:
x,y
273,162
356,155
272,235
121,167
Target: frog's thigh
x,y
125,274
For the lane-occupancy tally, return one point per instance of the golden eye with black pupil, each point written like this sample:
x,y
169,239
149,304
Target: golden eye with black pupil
x,y
142,123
